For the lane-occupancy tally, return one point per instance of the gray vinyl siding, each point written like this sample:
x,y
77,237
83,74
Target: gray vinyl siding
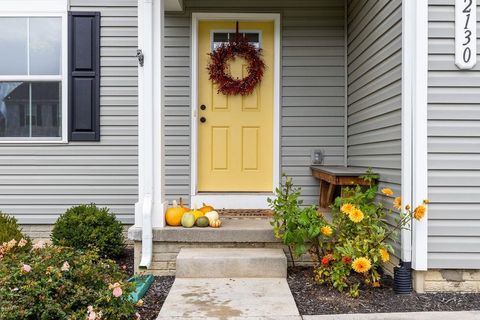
x,y
374,88
39,181
312,87
453,148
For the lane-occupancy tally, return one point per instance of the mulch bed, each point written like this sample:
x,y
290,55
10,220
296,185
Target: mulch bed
x,y
153,300
314,299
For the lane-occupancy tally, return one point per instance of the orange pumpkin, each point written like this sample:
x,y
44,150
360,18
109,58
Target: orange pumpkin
x,y
182,206
206,208
174,214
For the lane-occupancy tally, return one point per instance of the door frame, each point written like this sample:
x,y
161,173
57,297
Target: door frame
x,y
234,200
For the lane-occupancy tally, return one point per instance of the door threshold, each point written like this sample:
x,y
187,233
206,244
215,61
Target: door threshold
x,y
232,200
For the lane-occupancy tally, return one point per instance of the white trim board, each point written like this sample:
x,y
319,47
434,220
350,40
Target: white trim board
x,y
232,200
196,17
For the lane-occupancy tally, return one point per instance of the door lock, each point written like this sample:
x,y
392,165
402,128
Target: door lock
x,y
203,119
203,107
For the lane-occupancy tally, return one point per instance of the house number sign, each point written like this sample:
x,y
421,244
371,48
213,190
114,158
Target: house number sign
x,y
465,33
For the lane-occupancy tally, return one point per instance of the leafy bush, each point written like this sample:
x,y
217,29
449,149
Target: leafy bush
x,y
11,234
349,250
51,282
86,226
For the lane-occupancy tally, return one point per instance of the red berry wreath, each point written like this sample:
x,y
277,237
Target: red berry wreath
x,y
219,58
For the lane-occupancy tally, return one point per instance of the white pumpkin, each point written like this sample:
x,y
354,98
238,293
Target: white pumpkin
x,y
212,215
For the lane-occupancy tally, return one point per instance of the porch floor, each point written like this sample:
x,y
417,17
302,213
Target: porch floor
x,y
232,230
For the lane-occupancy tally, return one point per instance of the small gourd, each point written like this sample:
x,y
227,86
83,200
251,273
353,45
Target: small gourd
x,y
188,220
212,215
202,222
215,223
173,216
206,208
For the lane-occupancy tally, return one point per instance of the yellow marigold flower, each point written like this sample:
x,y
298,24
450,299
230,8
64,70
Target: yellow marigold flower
x,y
397,203
384,255
387,192
419,212
326,231
347,208
356,215
361,265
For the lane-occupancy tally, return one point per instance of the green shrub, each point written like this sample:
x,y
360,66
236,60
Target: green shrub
x,y
86,226
51,282
10,230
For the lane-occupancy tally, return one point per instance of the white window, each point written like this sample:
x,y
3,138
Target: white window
x,y
33,74
222,37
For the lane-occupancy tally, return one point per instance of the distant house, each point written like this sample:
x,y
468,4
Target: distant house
x,y
110,102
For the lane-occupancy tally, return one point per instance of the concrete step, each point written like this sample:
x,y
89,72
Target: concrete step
x,y
229,298
231,263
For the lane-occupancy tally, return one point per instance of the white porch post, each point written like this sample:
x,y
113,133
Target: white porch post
x,y
149,210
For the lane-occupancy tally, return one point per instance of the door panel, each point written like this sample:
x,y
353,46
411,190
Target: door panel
x,y
235,143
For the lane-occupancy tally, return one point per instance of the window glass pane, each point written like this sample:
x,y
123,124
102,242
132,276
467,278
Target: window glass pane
x,y
220,37
45,46
13,46
30,109
14,109
46,114
252,37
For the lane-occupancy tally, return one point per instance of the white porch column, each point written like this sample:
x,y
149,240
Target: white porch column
x,y
414,127
149,210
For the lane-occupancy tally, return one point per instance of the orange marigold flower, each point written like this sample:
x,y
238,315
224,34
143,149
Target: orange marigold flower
x,y
397,203
346,259
419,212
326,231
384,255
347,208
361,265
326,259
387,192
356,215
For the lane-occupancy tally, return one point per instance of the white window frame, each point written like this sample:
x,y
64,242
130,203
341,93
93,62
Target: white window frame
x,y
47,9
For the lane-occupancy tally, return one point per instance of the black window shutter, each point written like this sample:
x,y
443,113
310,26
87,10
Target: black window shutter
x,y
84,76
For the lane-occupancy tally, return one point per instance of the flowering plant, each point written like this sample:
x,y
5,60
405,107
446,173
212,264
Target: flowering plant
x,y
349,248
52,282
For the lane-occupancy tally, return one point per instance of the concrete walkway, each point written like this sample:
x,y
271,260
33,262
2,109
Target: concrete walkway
x,y
230,299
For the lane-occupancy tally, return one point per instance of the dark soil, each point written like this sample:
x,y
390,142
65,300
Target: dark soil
x,y
153,300
312,298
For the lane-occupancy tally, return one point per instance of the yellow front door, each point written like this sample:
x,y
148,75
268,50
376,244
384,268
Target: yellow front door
x,y
235,143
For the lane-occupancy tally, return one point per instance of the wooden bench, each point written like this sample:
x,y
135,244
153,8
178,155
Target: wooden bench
x,y
332,178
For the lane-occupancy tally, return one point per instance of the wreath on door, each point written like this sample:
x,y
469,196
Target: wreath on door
x,y
238,47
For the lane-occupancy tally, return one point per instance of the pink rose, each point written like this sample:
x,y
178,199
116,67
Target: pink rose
x,y
117,292
26,268
65,266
